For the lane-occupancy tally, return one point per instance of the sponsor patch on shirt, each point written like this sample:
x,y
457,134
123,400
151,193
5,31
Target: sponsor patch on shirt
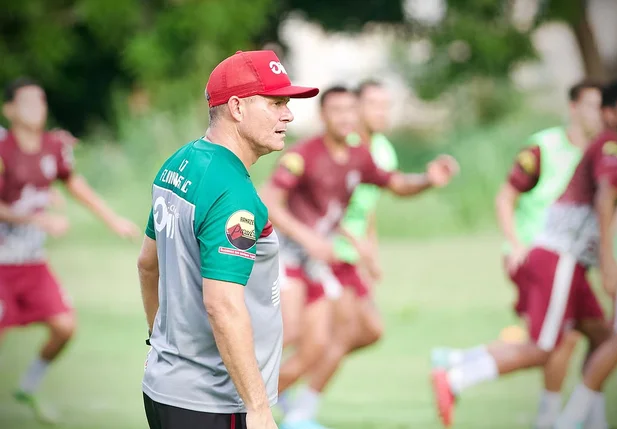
x,y
240,230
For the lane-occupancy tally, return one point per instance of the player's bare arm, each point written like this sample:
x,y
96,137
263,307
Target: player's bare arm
x,y
505,207
233,333
438,173
53,224
604,204
148,269
81,191
281,217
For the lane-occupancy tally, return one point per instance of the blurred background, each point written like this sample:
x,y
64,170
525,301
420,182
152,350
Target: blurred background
x,y
474,78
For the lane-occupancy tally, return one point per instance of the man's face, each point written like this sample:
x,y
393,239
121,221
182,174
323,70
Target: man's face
x,y
340,115
265,122
28,108
609,116
586,111
375,109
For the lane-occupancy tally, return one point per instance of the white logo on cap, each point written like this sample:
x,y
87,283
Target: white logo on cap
x,y
277,67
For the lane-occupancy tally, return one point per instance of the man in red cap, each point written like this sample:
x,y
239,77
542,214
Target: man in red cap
x,y
209,267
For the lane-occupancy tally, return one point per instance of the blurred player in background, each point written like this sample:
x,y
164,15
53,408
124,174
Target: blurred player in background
x,y
307,197
31,160
539,176
357,322
586,407
555,293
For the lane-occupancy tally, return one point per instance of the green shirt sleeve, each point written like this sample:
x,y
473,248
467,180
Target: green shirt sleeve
x,y
150,226
227,237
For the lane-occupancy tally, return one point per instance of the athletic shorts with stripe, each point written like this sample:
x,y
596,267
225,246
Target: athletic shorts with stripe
x,y
29,294
554,294
317,276
161,416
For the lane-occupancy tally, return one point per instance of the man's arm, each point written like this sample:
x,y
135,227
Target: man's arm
x,y
275,199
438,173
148,269
82,192
231,326
604,204
409,184
8,215
523,177
505,204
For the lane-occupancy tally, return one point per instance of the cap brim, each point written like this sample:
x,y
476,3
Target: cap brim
x,y
293,91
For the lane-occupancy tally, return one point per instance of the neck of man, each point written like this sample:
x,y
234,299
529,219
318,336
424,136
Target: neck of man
x,y
337,148
577,136
232,141
28,140
365,134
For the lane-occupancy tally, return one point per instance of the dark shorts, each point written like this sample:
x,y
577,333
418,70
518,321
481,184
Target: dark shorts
x,y
29,294
161,416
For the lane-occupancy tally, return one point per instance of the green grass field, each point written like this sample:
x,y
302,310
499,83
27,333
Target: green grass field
x,y
448,291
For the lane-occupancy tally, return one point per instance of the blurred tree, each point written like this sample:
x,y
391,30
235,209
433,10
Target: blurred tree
x,y
483,39
83,50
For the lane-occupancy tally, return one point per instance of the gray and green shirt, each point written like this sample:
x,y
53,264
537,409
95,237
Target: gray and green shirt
x,y
209,222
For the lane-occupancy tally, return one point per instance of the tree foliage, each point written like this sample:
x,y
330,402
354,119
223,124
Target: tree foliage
x,y
83,50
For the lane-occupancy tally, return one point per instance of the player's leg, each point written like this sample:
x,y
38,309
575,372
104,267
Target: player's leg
x,y
305,406
43,301
555,371
313,340
548,305
370,324
587,404
293,297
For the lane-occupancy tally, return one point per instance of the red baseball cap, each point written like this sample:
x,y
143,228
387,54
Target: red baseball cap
x,y
245,74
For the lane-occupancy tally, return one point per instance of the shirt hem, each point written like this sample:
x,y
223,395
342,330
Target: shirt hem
x,y
199,406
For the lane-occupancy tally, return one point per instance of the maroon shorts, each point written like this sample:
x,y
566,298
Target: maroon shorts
x,y
516,278
554,294
314,290
349,276
29,294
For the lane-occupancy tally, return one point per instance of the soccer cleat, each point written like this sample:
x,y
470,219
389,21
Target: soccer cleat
x,y
303,424
42,415
444,398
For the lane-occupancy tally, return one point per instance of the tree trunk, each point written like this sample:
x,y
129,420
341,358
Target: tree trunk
x,y
594,68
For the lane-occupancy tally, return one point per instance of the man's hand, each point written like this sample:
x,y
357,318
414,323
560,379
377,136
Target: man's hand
x,y
441,170
124,228
369,259
53,224
319,248
516,258
609,275
260,420
64,136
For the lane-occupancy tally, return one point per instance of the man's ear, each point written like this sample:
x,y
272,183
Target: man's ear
x,y
236,108
7,111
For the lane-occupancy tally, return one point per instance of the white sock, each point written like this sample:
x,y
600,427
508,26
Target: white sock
x,y
33,376
458,356
550,407
596,419
305,406
471,372
579,406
